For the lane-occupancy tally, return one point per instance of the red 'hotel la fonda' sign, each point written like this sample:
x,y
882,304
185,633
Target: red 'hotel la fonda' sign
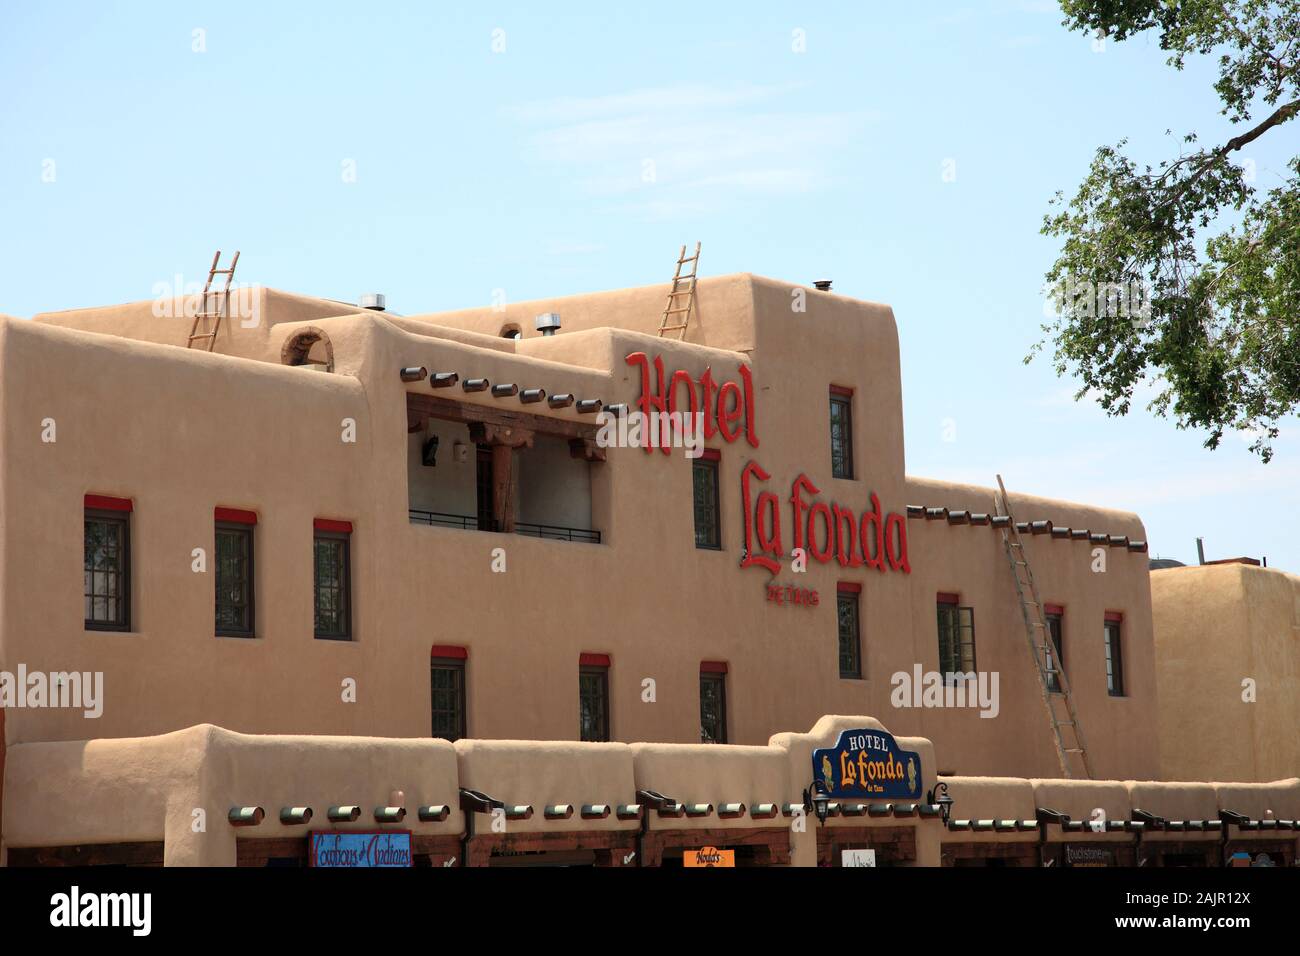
x,y
825,531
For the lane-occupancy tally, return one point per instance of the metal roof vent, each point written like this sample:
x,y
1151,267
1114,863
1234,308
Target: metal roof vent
x,y
822,285
548,323
373,301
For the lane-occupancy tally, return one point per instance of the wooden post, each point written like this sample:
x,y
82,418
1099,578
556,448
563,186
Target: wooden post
x,y
503,457
504,439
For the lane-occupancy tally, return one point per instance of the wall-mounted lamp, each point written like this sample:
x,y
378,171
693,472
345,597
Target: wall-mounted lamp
x,y
429,452
817,801
938,797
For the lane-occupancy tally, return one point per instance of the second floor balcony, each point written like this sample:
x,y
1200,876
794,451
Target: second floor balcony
x,y
474,468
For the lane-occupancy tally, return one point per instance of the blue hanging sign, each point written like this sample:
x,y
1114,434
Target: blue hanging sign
x,y
868,763
360,848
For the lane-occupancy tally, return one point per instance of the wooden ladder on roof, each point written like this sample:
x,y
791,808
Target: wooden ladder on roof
x,y
215,304
1052,681
683,285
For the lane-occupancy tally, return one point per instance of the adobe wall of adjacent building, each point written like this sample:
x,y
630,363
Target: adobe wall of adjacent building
x,y
181,432
1218,627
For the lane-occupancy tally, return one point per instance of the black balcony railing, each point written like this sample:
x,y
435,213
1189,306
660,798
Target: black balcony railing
x,y
557,532
551,532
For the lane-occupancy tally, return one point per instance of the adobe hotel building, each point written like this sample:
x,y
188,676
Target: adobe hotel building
x,y
446,611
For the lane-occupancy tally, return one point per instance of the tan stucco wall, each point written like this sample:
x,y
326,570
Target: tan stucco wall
x,y
73,793
1215,627
183,431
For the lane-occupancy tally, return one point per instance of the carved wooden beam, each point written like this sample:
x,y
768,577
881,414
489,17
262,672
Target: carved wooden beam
x,y
586,449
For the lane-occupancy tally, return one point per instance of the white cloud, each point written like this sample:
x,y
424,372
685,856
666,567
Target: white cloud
x,y
670,151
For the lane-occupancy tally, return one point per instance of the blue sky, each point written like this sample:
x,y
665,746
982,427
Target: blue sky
x,y
577,148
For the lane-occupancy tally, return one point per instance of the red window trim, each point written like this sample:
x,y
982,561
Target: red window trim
x,y
711,454
1115,616
593,660
450,651
947,597
1057,609
848,587
330,524
109,503
713,667
842,390
235,515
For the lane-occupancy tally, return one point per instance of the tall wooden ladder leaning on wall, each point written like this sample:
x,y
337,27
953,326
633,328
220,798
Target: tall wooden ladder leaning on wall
x,y
683,286
215,304
1063,718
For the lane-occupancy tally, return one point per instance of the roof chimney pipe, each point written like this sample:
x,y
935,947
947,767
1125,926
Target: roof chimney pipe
x,y
548,323
1200,550
822,285
374,301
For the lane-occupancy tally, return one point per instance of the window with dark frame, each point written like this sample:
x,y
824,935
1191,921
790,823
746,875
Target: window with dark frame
x,y
234,563
841,432
850,634
1053,655
1114,659
447,697
956,639
593,702
107,587
332,560
713,706
708,524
